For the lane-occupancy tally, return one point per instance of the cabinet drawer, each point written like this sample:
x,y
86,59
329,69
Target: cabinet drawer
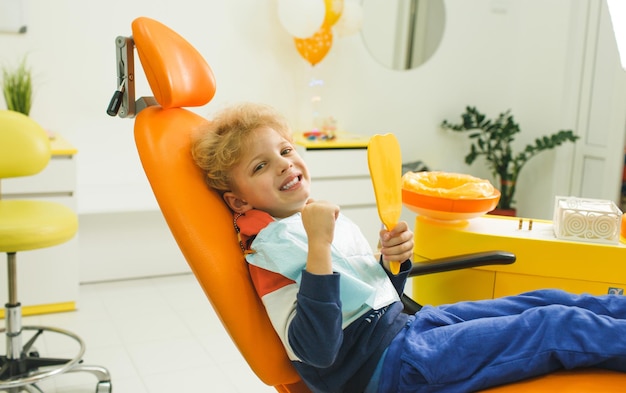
x,y
453,286
513,284
344,192
58,177
325,163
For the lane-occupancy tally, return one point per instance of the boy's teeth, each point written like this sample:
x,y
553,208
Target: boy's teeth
x,y
290,184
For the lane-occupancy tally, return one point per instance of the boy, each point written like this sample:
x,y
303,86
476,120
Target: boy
x,y
337,310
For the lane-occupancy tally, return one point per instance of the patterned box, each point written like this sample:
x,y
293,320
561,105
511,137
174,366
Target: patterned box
x,y
587,220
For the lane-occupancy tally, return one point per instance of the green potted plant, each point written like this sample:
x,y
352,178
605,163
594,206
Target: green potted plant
x,y
492,138
17,88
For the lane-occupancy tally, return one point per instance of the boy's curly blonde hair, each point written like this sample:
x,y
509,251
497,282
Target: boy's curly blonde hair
x,y
219,146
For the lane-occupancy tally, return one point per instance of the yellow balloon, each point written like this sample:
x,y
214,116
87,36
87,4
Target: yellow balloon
x,y
334,8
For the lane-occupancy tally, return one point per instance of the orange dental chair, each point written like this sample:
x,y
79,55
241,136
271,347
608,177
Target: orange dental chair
x,y
202,224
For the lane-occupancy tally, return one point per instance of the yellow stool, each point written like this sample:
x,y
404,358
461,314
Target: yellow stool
x,y
29,225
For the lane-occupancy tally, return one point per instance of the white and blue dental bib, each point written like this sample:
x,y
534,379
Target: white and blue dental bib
x,y
282,247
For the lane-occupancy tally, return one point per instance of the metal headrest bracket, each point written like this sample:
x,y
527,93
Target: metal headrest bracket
x,y
123,102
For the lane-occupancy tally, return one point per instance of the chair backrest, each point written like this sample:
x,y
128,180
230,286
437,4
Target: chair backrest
x,y
197,217
24,145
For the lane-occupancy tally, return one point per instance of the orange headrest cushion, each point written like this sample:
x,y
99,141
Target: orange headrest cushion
x,y
178,75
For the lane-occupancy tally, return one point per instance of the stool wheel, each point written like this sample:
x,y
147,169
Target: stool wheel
x,y
104,387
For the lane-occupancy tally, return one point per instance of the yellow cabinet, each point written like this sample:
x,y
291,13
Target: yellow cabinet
x,y
543,261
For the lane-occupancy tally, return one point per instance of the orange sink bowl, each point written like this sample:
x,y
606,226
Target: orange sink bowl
x,y
449,209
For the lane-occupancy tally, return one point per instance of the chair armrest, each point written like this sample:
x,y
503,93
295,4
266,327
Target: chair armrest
x,y
462,262
454,263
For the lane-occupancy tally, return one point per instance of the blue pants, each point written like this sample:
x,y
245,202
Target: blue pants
x,y
469,346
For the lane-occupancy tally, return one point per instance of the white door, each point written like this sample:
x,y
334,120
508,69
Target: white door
x,y
601,120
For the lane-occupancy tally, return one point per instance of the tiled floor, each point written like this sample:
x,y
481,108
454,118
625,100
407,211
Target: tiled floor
x,y
157,335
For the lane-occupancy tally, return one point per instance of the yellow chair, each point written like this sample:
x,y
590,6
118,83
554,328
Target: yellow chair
x,y
202,224
28,225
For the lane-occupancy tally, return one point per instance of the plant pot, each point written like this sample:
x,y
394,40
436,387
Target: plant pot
x,y
511,212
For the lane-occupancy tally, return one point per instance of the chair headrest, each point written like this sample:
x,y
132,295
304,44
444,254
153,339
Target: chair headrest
x,y
178,75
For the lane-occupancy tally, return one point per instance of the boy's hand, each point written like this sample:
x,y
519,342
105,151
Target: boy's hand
x,y
397,244
318,219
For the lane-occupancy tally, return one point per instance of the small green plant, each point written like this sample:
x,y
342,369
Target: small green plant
x,y
17,88
492,138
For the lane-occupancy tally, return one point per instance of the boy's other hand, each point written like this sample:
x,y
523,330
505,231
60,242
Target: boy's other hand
x,y
397,244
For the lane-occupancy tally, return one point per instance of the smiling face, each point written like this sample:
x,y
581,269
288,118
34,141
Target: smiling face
x,y
269,176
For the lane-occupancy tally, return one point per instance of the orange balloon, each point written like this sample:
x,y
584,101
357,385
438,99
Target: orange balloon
x,y
314,48
334,8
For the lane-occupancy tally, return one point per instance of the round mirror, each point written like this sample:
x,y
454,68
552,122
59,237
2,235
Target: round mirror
x,y
402,34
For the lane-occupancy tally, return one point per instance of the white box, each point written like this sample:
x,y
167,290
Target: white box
x,y
587,220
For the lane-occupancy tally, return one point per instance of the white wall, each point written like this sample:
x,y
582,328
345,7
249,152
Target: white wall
x,y
495,54
525,55
494,59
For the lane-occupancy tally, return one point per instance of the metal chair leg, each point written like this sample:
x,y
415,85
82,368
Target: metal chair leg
x,y
21,368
